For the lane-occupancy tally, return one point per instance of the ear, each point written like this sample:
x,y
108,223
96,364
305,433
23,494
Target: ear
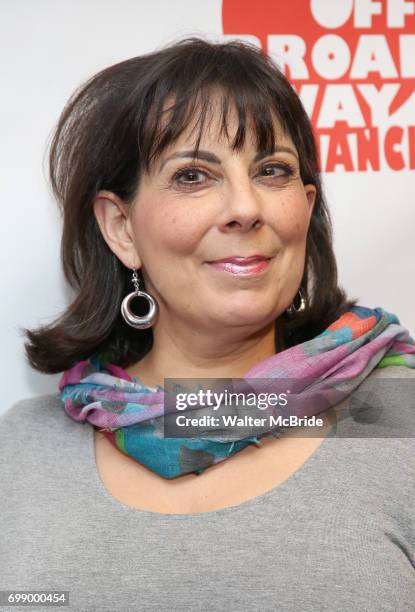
x,y
311,192
112,216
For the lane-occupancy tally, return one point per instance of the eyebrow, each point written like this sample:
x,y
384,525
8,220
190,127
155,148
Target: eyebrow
x,y
210,157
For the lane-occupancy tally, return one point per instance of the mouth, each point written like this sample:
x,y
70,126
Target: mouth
x,y
242,266
239,260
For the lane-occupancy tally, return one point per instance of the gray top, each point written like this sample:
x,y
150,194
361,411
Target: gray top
x,y
339,534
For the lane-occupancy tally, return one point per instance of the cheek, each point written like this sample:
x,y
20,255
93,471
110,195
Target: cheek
x,y
168,229
180,235
291,219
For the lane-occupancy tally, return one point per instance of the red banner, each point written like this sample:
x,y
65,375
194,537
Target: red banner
x,y
352,64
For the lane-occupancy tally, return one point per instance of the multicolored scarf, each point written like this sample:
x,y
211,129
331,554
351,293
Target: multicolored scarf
x,y
131,414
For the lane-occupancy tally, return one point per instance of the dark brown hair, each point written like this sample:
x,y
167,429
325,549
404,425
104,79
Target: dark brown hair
x,y
111,130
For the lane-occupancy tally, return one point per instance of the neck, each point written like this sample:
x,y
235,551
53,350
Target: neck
x,y
175,354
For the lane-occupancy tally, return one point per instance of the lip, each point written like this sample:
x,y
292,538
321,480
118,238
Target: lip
x,y
239,260
255,268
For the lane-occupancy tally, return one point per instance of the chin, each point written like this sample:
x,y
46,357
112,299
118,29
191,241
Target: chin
x,y
249,316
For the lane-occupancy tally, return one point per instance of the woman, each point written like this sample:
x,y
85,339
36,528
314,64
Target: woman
x,y
192,173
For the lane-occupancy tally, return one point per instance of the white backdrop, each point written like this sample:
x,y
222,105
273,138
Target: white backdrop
x,y
47,48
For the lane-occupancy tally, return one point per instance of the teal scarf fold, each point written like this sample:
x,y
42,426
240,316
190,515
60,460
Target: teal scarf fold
x,y
327,368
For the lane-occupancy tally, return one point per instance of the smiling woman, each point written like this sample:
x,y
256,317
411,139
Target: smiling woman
x,y
192,173
136,129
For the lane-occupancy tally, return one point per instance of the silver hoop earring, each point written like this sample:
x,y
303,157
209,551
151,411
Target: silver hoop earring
x,y
293,310
129,317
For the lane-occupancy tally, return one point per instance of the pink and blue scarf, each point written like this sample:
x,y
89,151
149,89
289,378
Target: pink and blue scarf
x,y
130,413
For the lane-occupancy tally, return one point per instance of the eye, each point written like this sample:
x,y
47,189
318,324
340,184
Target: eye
x,y
276,170
189,176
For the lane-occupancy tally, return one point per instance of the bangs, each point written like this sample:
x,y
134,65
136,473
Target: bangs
x,y
189,99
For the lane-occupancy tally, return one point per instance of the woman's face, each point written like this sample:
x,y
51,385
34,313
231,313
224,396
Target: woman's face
x,y
223,204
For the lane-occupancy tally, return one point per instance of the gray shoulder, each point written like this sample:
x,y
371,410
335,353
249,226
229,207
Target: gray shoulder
x,y
382,406
31,413
30,406
393,372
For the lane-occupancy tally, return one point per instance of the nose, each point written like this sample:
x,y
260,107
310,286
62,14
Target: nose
x,y
242,208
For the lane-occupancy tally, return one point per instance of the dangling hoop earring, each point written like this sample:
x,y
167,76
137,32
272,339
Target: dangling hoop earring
x,y
129,317
292,310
